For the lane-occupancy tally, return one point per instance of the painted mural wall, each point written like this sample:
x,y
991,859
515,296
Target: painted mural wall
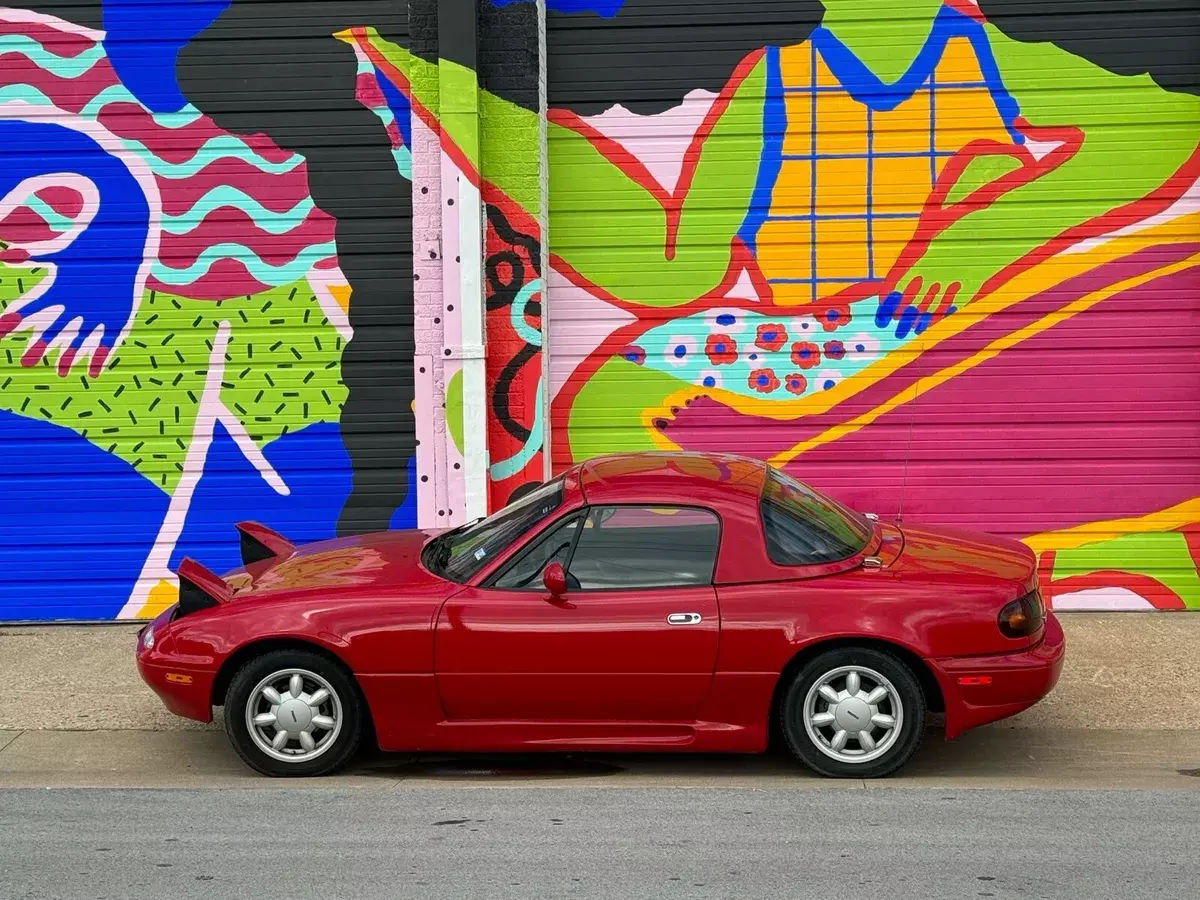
x,y
205,295
945,251
932,254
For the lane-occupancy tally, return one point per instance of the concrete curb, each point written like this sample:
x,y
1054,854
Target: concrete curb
x,y
83,677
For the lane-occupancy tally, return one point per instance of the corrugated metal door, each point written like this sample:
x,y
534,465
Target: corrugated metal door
x,y
187,204
938,251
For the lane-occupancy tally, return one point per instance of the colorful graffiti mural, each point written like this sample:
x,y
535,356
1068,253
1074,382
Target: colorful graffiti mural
x,y
173,319
953,266
853,238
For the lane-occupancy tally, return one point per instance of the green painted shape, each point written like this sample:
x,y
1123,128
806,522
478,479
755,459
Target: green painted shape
x,y
1161,555
510,151
459,94
454,409
884,34
282,372
614,232
981,170
606,416
508,141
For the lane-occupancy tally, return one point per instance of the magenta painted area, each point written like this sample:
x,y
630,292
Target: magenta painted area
x,y
1095,418
696,427
71,94
229,224
63,200
24,226
59,42
178,145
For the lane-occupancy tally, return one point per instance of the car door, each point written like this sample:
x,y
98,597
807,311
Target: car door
x,y
633,639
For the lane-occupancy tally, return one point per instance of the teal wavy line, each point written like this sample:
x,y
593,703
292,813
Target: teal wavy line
x,y
26,92
224,146
118,93
264,272
62,66
227,195
114,93
221,147
55,220
519,460
517,314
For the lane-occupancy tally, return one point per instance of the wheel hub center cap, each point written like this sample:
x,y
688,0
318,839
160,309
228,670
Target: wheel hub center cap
x,y
294,716
852,714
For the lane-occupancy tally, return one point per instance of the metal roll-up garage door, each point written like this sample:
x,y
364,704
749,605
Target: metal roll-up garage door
x,y
937,255
205,294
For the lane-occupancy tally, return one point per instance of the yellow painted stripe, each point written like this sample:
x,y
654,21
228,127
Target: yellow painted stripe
x,y
928,383
1168,519
1053,272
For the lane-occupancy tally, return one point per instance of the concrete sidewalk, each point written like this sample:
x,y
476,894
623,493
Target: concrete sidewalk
x,y
83,678
994,757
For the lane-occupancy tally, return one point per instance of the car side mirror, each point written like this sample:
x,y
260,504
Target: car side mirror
x,y
554,577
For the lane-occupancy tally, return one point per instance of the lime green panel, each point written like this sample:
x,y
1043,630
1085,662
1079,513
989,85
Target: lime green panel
x,y
1162,556
454,409
282,372
614,232
607,413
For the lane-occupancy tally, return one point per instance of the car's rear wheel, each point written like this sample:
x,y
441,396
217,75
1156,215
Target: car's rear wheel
x,y
293,713
853,712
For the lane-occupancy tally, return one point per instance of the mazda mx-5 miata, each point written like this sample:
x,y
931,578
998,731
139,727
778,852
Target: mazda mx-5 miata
x,y
649,602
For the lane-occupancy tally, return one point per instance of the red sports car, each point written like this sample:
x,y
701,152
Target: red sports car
x,y
665,602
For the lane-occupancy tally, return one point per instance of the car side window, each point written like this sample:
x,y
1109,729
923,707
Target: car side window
x,y
525,573
627,547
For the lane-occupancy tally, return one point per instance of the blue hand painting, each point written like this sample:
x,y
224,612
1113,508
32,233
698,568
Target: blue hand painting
x,y
143,41
96,270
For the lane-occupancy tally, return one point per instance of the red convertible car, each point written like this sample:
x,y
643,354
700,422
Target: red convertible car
x,y
650,602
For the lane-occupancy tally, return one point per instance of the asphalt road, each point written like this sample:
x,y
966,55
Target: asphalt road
x,y
641,844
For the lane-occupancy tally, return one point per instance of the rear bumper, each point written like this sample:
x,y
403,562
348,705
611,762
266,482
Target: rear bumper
x,y
1000,686
185,691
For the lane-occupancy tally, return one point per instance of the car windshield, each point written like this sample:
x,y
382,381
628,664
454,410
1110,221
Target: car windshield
x,y
459,554
804,527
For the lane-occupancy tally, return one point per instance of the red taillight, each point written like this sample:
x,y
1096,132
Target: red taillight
x,y
1022,617
975,680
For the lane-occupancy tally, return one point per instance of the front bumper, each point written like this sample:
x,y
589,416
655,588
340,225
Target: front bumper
x,y
983,689
184,690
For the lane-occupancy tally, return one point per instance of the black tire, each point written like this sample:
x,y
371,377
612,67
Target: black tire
x,y
344,740
815,755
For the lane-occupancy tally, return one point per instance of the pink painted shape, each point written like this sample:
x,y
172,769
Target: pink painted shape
x,y
427,307
579,324
659,141
1095,418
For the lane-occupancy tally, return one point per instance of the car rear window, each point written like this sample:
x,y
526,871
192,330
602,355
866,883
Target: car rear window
x,y
805,528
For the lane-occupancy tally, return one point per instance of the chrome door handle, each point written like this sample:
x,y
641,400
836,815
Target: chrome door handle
x,y
684,619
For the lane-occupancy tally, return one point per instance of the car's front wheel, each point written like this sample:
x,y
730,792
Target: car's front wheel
x,y
292,712
853,712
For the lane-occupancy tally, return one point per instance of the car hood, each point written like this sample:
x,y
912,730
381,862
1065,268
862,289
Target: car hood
x,y
935,550
365,561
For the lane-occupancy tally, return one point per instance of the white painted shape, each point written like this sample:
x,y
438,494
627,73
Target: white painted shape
x,y
659,141
25,15
1185,205
156,568
474,365
30,186
1107,599
744,289
582,322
